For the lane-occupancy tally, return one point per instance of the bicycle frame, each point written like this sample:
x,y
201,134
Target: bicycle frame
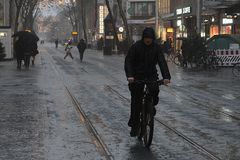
x,y
147,115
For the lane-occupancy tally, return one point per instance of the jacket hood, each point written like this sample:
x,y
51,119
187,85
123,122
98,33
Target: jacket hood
x,y
149,32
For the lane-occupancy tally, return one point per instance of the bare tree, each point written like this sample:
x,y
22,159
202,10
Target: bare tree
x,y
19,5
10,11
83,13
112,21
124,19
71,13
29,12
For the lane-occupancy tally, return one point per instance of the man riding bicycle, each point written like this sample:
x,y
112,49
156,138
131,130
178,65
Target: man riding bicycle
x,y
140,64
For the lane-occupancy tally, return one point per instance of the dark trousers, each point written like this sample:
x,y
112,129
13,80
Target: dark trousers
x,y
27,60
81,56
136,90
68,54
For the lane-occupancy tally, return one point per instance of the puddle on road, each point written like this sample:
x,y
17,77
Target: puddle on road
x,y
229,96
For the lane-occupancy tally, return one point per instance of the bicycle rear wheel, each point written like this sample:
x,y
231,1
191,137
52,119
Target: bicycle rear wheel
x,y
216,63
177,60
236,70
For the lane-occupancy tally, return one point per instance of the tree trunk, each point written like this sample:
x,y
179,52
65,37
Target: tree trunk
x,y
10,12
129,37
96,13
83,11
113,22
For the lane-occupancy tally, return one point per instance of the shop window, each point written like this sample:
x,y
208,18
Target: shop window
x,y
213,30
143,9
237,29
164,6
226,29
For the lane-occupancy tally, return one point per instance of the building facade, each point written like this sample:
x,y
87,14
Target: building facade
x,y
5,28
221,17
164,28
179,19
140,14
4,13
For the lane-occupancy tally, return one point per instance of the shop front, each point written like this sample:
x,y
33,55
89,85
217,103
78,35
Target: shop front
x,y
184,25
140,14
6,40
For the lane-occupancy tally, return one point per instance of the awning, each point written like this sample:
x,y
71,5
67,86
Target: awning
x,y
150,21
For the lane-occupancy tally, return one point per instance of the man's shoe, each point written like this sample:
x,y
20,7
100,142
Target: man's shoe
x,y
130,123
154,111
134,131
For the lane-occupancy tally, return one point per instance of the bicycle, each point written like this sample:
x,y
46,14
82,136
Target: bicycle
x,y
236,70
209,61
179,59
170,55
146,123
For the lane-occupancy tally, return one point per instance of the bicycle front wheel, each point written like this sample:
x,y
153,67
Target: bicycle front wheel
x,y
236,70
177,60
149,130
149,123
216,63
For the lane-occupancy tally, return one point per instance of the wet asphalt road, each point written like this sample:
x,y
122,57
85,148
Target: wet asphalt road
x,y
39,121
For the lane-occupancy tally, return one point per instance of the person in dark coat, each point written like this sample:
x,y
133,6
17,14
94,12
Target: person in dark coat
x,y
34,52
19,51
81,48
140,64
56,43
25,46
30,49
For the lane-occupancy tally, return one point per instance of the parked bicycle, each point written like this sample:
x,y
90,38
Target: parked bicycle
x,y
147,114
179,59
236,70
209,61
170,55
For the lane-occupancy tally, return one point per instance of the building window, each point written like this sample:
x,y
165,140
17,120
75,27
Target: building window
x,y
164,6
226,29
214,30
143,9
1,14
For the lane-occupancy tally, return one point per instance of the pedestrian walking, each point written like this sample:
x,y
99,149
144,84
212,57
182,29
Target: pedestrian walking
x,y
68,50
56,43
100,43
25,47
34,52
81,48
19,51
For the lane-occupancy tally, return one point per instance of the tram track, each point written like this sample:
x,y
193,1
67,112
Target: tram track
x,y
232,114
94,135
96,138
190,141
194,144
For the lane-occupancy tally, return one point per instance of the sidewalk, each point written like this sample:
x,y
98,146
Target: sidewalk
x,y
37,119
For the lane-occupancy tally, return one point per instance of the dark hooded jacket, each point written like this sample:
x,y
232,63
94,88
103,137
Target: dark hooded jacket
x,y
141,59
81,46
